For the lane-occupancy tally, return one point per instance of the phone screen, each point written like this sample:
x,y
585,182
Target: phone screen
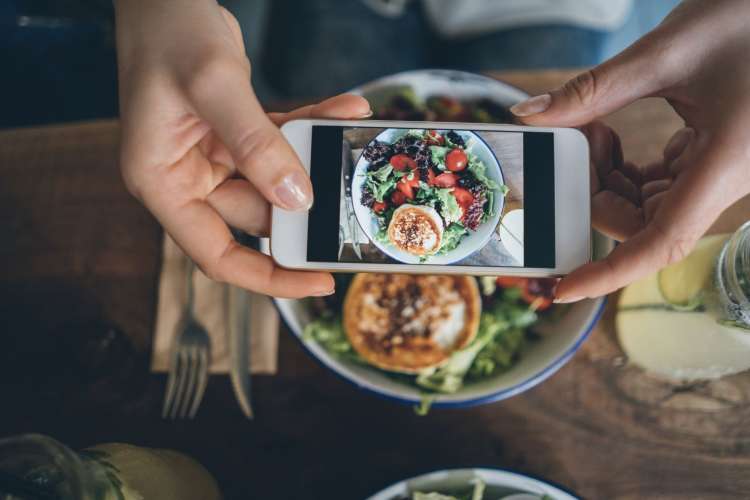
x,y
432,196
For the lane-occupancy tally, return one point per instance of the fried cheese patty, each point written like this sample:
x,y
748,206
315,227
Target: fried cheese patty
x,y
406,323
416,229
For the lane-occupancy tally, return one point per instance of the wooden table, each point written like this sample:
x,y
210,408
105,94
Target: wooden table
x,y
78,254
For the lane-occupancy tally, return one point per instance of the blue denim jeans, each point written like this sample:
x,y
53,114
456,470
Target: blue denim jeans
x,y
318,48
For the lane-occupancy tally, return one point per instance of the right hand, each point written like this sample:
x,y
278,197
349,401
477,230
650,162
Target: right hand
x,y
197,148
697,59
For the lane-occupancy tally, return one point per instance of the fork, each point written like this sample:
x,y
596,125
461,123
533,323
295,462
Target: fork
x,y
188,369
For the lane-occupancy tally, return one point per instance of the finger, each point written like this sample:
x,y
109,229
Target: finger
x,y
604,147
655,171
234,28
342,106
653,187
677,144
646,252
616,182
241,206
684,214
615,216
651,205
257,147
632,74
632,172
202,234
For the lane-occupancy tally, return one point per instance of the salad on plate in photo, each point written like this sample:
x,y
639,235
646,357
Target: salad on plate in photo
x,y
428,190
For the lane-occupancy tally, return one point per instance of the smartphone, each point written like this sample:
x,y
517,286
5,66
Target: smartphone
x,y
439,198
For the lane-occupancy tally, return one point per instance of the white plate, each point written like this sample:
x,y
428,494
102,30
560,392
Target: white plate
x,y
499,482
470,243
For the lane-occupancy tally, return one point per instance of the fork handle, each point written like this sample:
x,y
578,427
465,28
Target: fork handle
x,y
190,289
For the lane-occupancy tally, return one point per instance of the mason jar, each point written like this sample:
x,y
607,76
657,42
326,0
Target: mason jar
x,y
36,467
728,298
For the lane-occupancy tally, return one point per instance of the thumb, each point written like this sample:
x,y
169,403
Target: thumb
x,y
632,74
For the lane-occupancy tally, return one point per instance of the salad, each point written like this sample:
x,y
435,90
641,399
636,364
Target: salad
x,y
476,490
402,103
510,309
436,173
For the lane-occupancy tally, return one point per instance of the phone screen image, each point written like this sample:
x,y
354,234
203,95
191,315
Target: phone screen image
x,y
432,196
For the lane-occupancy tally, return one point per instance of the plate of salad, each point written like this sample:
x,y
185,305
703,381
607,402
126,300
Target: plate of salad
x,y
473,484
428,196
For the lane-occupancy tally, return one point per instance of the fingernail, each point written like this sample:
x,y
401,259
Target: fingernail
x,y
532,106
293,192
325,293
367,115
567,300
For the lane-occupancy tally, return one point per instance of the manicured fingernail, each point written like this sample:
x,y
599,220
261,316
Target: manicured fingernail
x,y
532,106
367,115
325,293
567,300
293,192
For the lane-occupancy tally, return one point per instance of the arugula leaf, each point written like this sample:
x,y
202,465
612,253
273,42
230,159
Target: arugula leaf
x,y
452,237
449,209
438,156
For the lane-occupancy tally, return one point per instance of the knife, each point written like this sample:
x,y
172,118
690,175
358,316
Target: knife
x,y
239,336
348,165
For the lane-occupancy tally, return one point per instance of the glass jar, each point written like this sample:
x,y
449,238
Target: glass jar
x,y
35,467
728,299
38,467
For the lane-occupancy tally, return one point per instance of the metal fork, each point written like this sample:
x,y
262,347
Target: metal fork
x,y
188,369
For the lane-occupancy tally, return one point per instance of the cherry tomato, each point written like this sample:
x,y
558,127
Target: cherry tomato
x,y
455,160
445,180
510,281
463,197
430,177
434,138
402,162
407,186
398,198
379,207
539,291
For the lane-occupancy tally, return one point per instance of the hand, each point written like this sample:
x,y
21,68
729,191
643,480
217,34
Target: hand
x,y
197,148
697,60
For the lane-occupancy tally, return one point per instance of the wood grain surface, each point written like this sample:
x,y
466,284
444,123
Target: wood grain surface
x,y
79,261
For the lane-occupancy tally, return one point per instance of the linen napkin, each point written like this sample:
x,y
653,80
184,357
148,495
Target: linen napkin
x,y
213,311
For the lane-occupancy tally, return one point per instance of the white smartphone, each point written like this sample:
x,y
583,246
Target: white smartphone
x,y
429,197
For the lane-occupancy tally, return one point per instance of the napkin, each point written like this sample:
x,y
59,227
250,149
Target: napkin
x,y
213,311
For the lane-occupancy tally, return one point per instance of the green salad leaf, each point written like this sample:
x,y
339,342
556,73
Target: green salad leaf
x,y
329,333
381,181
476,493
438,156
500,338
449,209
479,171
452,237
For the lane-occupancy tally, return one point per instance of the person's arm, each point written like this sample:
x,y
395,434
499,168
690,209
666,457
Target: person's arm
x,y
198,149
697,59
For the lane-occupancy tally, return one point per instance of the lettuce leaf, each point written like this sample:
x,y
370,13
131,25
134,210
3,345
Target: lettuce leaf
x,y
452,237
380,182
329,333
500,338
438,156
449,209
479,171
